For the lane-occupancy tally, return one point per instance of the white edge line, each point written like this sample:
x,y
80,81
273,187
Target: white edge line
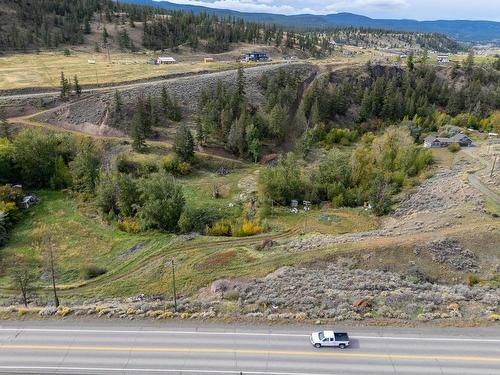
x,y
111,369
214,333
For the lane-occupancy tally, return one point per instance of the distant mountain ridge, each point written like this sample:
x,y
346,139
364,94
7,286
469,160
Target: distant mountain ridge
x,y
462,30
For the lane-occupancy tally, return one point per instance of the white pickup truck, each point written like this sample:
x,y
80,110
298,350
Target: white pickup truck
x,y
330,338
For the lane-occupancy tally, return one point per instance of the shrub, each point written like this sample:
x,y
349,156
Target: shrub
x,y
63,311
196,219
247,228
88,272
232,295
184,143
162,202
129,225
494,317
472,279
131,311
125,165
184,168
454,147
220,228
173,165
8,193
11,214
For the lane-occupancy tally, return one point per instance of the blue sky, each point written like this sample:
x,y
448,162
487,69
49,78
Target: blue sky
x,y
414,9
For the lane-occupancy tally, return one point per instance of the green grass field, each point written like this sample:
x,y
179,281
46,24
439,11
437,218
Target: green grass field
x,y
81,237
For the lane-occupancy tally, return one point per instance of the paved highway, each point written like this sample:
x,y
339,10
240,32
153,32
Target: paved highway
x,y
97,347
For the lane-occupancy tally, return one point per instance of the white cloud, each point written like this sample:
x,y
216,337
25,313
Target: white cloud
x,y
364,5
416,9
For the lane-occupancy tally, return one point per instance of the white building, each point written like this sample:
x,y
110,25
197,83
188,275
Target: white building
x,y
165,60
443,59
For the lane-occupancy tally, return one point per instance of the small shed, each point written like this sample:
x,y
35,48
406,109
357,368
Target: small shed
x,y
443,59
207,60
166,60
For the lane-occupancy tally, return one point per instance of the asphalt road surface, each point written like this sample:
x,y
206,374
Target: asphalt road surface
x,y
108,347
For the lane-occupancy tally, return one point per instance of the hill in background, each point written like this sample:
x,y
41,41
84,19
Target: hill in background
x,y
462,30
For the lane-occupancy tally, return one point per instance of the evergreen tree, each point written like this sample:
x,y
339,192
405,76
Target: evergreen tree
x,y
253,142
424,57
118,102
78,88
240,83
105,35
200,133
65,86
410,62
469,62
184,143
86,26
496,64
315,117
236,138
4,125
277,122
138,133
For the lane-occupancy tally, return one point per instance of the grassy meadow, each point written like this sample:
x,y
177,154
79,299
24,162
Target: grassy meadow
x,y
43,69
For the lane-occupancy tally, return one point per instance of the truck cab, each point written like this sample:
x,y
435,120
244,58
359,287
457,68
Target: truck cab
x,y
330,338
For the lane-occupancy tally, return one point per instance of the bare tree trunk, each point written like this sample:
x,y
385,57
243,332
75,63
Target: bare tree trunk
x,y
52,272
25,296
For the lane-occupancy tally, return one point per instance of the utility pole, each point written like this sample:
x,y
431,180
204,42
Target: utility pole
x,y
50,254
307,207
172,264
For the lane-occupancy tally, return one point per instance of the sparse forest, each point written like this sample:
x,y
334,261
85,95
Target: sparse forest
x,y
55,23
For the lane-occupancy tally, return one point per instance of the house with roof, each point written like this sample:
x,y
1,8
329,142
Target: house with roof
x,y
165,60
434,142
255,57
443,59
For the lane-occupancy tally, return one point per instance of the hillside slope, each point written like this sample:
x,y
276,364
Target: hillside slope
x,y
467,31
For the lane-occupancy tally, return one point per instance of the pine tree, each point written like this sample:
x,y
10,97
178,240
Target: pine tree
x,y
78,88
184,143
118,102
105,35
253,142
201,136
496,64
277,122
469,62
410,62
138,134
4,125
236,137
315,117
86,26
65,86
240,83
424,57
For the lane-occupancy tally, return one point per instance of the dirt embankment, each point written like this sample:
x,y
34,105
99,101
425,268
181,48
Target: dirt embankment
x,y
92,115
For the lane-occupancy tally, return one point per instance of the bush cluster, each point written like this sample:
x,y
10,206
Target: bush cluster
x,y
234,228
377,169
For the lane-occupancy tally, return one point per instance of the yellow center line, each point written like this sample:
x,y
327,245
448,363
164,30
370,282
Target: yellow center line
x,y
252,351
